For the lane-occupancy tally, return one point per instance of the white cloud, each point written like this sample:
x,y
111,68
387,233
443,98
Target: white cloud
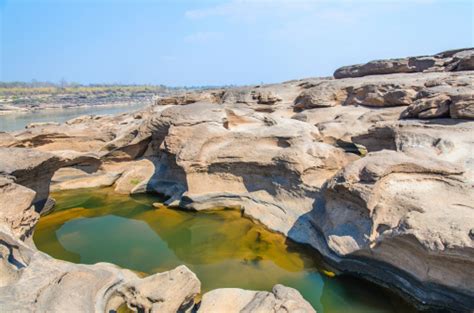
x,y
293,19
249,10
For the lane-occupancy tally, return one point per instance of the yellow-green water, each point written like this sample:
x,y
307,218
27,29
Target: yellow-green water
x,y
221,247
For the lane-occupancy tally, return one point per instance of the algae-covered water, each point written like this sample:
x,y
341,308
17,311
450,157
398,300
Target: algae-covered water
x,y
221,247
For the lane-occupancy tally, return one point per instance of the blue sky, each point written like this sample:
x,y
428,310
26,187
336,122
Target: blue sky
x,y
217,42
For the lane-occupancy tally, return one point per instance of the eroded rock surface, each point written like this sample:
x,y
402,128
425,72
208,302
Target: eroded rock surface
x,y
172,291
374,169
32,281
37,283
233,300
385,209
453,60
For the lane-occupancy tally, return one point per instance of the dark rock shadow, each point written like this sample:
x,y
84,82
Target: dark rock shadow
x,y
396,285
168,179
257,177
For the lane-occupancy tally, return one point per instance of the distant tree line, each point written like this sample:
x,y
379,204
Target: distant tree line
x,y
63,84
66,84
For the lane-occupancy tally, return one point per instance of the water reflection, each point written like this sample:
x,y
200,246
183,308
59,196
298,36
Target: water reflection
x,y
222,248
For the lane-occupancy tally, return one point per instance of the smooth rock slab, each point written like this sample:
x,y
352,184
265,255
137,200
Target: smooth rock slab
x,y
234,300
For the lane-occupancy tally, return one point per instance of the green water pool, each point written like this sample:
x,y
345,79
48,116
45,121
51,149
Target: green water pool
x,y
221,247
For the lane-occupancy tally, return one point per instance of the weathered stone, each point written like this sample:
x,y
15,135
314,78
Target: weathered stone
x,y
6,139
68,178
18,211
442,101
260,166
31,281
380,67
32,169
232,300
34,282
136,177
457,60
265,97
462,60
191,97
386,202
382,90
324,94
432,107
381,95
401,218
462,105
168,292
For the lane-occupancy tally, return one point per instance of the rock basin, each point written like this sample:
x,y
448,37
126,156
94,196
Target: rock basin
x,y
374,171
223,248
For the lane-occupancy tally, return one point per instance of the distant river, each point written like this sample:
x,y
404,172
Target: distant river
x,y
18,121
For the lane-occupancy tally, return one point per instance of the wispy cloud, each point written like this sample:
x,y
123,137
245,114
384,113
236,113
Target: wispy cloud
x,y
291,19
249,10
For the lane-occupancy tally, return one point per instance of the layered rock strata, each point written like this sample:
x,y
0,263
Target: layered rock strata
x,y
32,281
374,169
453,60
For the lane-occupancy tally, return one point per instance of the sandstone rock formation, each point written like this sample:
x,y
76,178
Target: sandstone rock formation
x,y
74,178
189,98
32,281
232,300
172,291
427,95
239,158
34,169
374,169
453,60
383,208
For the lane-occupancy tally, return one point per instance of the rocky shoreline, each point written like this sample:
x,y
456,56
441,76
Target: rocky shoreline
x,y
10,110
30,99
373,168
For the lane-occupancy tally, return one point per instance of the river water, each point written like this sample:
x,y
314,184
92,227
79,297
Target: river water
x,y
223,248
18,121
